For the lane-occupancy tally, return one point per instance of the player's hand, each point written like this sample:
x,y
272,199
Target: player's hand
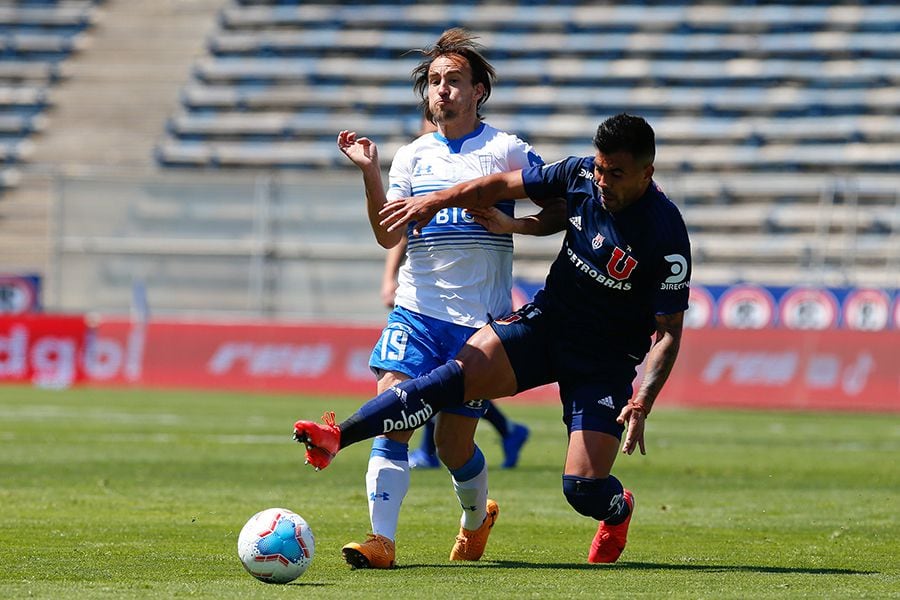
x,y
418,210
633,418
360,150
493,219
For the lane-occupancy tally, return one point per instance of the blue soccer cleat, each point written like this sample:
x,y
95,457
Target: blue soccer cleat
x,y
420,459
512,444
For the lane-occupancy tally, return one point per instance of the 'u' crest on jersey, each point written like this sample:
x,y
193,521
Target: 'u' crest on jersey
x,y
616,268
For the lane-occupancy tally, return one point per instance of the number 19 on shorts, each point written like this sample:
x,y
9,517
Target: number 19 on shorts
x,y
393,344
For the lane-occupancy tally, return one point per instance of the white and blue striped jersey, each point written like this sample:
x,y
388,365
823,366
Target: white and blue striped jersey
x,y
456,270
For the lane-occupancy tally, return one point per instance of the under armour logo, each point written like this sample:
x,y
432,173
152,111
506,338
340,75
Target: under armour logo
x,y
421,170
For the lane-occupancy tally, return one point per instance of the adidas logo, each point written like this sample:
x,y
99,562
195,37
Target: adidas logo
x,y
607,402
385,496
576,221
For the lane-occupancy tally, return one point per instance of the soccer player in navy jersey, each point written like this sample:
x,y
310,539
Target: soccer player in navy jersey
x,y
621,277
457,274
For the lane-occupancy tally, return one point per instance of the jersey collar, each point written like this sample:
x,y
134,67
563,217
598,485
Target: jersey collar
x,y
456,145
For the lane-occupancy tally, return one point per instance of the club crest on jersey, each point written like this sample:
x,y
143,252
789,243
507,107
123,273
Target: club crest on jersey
x,y
597,241
487,163
620,269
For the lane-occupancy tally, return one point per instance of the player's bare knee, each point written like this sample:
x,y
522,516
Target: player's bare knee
x,y
454,439
454,454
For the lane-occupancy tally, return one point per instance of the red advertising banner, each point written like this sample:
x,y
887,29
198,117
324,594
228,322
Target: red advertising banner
x,y
295,358
44,350
765,368
779,368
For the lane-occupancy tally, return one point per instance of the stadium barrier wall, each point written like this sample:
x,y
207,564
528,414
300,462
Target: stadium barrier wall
x,y
769,368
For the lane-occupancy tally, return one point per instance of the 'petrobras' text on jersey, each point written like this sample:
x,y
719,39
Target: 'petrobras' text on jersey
x,y
456,270
615,270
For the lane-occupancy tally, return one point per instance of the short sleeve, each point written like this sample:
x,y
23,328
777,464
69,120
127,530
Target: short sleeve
x,y
674,274
400,175
549,181
521,155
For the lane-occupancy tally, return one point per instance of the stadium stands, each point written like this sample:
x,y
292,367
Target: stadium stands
x,y
777,124
35,37
712,69
777,121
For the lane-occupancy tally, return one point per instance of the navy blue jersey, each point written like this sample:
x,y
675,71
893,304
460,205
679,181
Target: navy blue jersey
x,y
615,272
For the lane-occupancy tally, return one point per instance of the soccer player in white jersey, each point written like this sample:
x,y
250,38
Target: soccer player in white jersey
x,y
456,276
512,435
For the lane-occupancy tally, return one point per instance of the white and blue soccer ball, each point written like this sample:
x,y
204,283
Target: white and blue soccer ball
x,y
276,545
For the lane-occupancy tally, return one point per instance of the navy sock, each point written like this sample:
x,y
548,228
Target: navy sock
x,y
497,419
407,405
618,511
601,499
428,438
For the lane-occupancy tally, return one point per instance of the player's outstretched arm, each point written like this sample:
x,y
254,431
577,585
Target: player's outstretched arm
x,y
477,193
660,361
363,153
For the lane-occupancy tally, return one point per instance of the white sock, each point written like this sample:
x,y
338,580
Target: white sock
x,y
471,484
387,481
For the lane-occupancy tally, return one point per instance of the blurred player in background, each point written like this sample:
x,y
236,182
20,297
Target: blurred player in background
x,y
457,274
622,275
512,435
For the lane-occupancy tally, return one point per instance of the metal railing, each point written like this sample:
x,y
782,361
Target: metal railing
x,y
293,246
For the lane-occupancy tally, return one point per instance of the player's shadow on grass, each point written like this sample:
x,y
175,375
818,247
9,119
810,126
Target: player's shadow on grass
x,y
512,564
742,568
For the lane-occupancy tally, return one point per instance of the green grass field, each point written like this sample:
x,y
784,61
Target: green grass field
x,y
135,494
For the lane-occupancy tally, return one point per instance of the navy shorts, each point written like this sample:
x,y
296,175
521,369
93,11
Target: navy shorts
x,y
593,385
415,344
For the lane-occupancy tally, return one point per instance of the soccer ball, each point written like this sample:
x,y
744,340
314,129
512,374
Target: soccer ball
x,y
276,545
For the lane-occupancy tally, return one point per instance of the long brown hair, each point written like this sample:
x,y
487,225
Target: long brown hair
x,y
462,43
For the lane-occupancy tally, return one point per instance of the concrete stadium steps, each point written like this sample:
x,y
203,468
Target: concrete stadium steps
x,y
108,103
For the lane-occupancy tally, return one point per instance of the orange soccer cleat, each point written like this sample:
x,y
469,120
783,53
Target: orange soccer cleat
x,y
322,441
377,552
610,539
470,544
